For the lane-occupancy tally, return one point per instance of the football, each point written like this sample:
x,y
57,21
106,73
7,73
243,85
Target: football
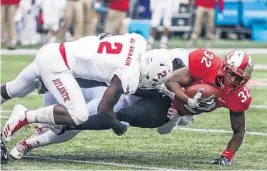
x,y
191,91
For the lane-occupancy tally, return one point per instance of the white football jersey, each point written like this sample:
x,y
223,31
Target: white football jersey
x,y
94,59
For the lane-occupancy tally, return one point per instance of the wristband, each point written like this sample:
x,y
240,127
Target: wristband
x,y
228,154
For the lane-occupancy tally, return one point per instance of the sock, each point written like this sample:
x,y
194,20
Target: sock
x,y
50,137
42,115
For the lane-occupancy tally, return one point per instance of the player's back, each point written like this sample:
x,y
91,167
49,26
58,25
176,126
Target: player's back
x,y
97,59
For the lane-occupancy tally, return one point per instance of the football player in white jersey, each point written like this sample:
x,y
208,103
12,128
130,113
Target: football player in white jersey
x,y
143,109
113,60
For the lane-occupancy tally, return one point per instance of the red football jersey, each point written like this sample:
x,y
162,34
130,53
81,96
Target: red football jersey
x,y
203,67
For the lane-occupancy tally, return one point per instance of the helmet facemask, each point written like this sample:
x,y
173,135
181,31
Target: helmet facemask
x,y
235,71
154,71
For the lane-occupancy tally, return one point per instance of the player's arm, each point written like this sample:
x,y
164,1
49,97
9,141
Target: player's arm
x,y
238,124
108,101
178,79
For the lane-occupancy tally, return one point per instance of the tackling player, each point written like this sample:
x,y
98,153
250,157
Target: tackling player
x,y
113,60
229,76
145,109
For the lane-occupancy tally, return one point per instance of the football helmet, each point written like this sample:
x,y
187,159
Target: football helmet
x,y
155,68
236,69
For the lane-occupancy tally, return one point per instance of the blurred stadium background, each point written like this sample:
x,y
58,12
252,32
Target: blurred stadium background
x,y
242,24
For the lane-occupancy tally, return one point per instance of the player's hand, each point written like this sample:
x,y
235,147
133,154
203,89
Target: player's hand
x,y
201,103
206,104
120,128
223,160
172,113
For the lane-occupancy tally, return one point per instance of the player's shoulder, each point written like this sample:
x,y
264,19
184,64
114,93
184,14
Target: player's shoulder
x,y
203,65
199,53
239,100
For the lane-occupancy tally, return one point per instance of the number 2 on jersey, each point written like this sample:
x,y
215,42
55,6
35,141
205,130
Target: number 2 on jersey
x,y
109,47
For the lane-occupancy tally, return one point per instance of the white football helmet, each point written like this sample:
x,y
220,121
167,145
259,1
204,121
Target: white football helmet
x,y
239,64
155,67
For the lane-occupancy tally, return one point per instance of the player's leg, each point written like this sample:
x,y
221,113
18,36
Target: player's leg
x,y
88,93
22,85
167,17
48,100
146,113
155,21
47,138
95,122
210,26
59,80
197,25
43,135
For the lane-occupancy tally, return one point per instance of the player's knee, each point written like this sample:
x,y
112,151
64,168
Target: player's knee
x,y
79,114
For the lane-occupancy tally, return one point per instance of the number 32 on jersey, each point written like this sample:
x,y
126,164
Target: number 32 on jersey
x,y
207,58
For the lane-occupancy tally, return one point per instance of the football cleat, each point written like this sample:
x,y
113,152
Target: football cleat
x,y
16,120
4,156
20,150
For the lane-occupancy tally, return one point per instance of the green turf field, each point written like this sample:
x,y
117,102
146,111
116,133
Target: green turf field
x,y
145,149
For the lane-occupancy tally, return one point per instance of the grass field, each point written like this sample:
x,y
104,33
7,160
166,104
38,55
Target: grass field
x,y
145,149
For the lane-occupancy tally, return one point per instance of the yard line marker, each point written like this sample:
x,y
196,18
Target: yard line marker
x,y
98,162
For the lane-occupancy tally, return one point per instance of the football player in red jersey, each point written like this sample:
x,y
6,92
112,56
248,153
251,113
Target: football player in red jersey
x,y
229,76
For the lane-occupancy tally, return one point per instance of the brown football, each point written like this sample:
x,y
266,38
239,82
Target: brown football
x,y
191,91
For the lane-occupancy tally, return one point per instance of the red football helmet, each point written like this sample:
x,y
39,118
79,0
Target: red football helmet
x,y
235,70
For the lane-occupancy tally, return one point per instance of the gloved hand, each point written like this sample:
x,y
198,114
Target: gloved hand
x,y
120,128
201,103
223,160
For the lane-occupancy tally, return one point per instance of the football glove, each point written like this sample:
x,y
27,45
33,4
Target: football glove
x,y
201,103
120,128
223,160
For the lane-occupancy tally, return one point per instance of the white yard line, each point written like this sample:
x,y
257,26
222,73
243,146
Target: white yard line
x,y
218,131
215,50
99,162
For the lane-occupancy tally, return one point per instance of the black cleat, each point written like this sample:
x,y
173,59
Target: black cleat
x,y
4,155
